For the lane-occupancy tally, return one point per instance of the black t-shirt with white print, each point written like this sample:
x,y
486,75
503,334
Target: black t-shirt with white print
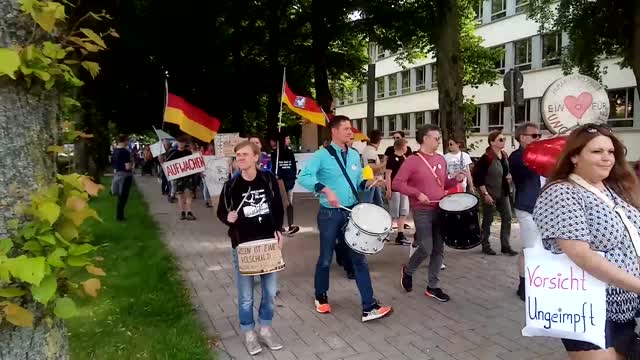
x,y
255,219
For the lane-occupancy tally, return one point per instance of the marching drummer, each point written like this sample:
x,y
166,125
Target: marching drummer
x,y
251,206
335,174
423,177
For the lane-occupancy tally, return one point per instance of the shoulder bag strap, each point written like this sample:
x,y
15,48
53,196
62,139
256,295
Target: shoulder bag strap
x,y
631,229
432,171
333,152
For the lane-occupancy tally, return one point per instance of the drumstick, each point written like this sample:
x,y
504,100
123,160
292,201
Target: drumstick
x,y
370,186
244,199
345,208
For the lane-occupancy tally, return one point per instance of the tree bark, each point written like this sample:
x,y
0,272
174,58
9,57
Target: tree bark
x,y
449,72
37,343
635,43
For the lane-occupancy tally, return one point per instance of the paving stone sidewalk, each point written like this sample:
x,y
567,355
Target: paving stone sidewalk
x,y
482,321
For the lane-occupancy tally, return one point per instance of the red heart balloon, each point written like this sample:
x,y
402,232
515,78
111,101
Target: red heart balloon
x,y
541,156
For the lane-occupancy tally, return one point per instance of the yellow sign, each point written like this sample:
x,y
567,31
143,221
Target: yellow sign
x,y
260,257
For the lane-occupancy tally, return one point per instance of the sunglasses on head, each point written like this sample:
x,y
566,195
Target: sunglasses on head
x,y
593,128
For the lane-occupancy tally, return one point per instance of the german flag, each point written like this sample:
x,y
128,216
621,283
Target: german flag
x,y
304,106
191,119
358,135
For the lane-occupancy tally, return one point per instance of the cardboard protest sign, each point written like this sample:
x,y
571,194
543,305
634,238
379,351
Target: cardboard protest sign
x,y
157,149
216,173
260,257
563,301
224,143
188,165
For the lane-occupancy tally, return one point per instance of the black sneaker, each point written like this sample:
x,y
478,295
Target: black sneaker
x,y
406,281
376,312
437,294
509,251
402,240
293,229
351,275
183,216
521,291
190,216
488,251
207,205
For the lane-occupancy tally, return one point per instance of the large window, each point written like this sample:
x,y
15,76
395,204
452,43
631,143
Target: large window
x,y
359,94
380,52
621,107
420,119
523,112
393,84
523,54
500,64
435,117
475,125
496,116
434,76
522,6
551,48
378,124
404,122
380,87
420,78
348,98
392,123
498,9
355,123
479,10
405,77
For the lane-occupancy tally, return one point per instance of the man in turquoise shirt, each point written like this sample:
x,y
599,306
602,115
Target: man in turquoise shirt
x,y
323,175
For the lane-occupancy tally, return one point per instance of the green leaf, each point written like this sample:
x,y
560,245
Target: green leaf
x,y
61,239
76,250
9,62
42,75
5,246
71,102
46,19
11,292
94,37
12,224
26,269
28,232
92,67
27,5
55,258
68,230
32,246
48,239
77,261
48,212
46,290
49,83
65,308
54,51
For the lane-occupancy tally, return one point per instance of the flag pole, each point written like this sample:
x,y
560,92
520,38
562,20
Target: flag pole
x,y
284,76
166,97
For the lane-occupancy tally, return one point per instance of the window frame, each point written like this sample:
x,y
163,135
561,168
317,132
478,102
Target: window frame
x,y
379,81
407,117
405,89
503,69
437,117
423,85
476,120
527,112
523,7
525,65
629,94
500,125
393,84
434,75
392,119
555,60
423,116
495,15
359,94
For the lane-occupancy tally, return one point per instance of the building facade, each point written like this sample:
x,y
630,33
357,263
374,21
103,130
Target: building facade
x,y
408,98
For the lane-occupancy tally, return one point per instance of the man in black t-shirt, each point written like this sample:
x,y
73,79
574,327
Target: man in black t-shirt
x,y
396,135
184,185
122,177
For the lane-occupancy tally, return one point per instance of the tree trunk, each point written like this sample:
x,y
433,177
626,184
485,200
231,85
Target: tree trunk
x,y
449,70
28,125
320,46
635,43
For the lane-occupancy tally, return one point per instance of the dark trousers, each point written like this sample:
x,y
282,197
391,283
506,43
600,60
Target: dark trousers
x,y
503,206
166,185
123,197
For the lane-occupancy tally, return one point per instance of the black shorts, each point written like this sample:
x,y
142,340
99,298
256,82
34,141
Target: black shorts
x,y
613,332
185,183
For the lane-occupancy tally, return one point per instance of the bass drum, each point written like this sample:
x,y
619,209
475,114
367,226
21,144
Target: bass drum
x,y
368,227
459,221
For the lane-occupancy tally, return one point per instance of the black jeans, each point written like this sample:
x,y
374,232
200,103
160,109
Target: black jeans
x,y
503,207
123,197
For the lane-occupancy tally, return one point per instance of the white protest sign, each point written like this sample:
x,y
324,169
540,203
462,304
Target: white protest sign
x,y
188,165
157,149
301,161
216,173
572,101
224,143
563,301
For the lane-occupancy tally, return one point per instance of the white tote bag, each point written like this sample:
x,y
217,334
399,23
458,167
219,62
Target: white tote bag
x,y
563,301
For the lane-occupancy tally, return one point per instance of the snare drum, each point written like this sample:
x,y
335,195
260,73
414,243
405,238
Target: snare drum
x,y
367,229
459,221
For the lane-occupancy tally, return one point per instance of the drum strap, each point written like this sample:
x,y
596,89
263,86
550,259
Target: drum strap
x,y
333,153
432,171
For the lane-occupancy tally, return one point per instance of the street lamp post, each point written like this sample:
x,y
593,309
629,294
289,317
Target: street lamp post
x,y
371,82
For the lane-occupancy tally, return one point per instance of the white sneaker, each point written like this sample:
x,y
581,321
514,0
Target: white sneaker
x,y
268,338
443,266
251,342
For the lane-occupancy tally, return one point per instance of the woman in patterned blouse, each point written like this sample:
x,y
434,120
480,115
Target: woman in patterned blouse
x,y
574,221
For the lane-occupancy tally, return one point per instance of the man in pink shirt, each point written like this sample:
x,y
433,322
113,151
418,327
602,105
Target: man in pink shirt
x,y
423,178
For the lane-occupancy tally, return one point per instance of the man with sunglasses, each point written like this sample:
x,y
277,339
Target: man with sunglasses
x,y
528,185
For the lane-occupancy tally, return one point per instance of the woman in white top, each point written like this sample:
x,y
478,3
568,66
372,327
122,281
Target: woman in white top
x,y
457,161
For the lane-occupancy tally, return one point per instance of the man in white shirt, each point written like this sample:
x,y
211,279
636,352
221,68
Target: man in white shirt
x,y
370,157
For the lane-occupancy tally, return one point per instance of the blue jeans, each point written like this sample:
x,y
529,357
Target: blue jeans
x,y
331,222
244,285
373,196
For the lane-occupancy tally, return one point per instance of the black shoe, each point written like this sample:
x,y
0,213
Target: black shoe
x,y
207,205
521,291
293,229
183,216
190,216
489,251
437,294
406,281
351,275
402,240
509,251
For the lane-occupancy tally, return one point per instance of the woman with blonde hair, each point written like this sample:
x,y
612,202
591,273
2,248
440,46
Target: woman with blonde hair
x,y
583,210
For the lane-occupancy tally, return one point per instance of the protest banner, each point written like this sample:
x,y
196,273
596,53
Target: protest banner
x,y
301,162
188,165
224,143
157,149
216,173
260,257
563,301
